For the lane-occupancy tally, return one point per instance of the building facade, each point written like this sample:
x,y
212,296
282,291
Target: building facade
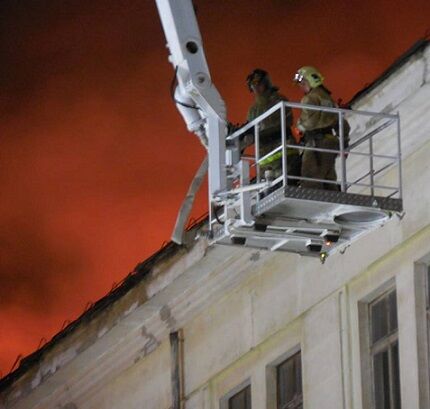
x,y
220,327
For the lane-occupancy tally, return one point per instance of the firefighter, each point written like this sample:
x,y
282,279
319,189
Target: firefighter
x,y
319,130
267,95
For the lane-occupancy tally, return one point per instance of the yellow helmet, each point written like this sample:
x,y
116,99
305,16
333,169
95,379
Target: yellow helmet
x,y
311,75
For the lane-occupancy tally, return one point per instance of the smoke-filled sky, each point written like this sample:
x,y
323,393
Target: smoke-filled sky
x,y
94,158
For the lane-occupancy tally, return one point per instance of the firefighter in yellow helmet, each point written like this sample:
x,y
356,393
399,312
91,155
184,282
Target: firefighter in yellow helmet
x,y
267,95
319,130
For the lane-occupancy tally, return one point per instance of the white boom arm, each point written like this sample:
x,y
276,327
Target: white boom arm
x,y
197,99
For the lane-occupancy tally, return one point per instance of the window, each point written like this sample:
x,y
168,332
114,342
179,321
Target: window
x,y
289,383
241,400
422,308
384,351
428,308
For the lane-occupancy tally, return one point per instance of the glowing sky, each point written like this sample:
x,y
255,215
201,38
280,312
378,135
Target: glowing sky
x,y
94,158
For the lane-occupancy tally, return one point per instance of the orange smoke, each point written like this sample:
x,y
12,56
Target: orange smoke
x,y
94,158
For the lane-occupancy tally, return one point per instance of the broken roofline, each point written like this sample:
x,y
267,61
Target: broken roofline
x,y
171,248
166,252
130,281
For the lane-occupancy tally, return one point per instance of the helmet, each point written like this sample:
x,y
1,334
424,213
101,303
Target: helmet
x,y
311,75
259,76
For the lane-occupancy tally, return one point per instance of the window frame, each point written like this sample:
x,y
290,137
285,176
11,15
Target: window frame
x,y
225,400
422,309
297,355
272,378
365,337
387,344
427,305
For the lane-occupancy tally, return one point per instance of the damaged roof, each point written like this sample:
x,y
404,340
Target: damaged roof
x,y
139,273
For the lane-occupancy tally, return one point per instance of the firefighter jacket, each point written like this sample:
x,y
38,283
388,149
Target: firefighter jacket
x,y
270,128
311,120
265,102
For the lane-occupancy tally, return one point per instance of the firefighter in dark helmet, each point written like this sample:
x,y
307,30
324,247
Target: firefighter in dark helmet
x,y
266,96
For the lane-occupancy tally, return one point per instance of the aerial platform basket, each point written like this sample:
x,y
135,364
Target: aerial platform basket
x,y
245,209
275,215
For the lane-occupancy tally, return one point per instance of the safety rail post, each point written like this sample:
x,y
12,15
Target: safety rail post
x,y
257,154
284,146
371,170
245,197
342,153
210,211
399,157
257,150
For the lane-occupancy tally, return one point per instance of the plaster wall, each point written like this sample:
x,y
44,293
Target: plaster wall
x,y
144,385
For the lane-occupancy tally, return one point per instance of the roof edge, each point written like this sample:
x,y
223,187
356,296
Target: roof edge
x,y
419,46
137,275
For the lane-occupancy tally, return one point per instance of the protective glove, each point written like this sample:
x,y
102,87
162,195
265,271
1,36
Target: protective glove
x,y
297,133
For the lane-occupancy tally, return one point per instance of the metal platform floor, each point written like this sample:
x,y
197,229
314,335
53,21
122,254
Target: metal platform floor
x,y
310,222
